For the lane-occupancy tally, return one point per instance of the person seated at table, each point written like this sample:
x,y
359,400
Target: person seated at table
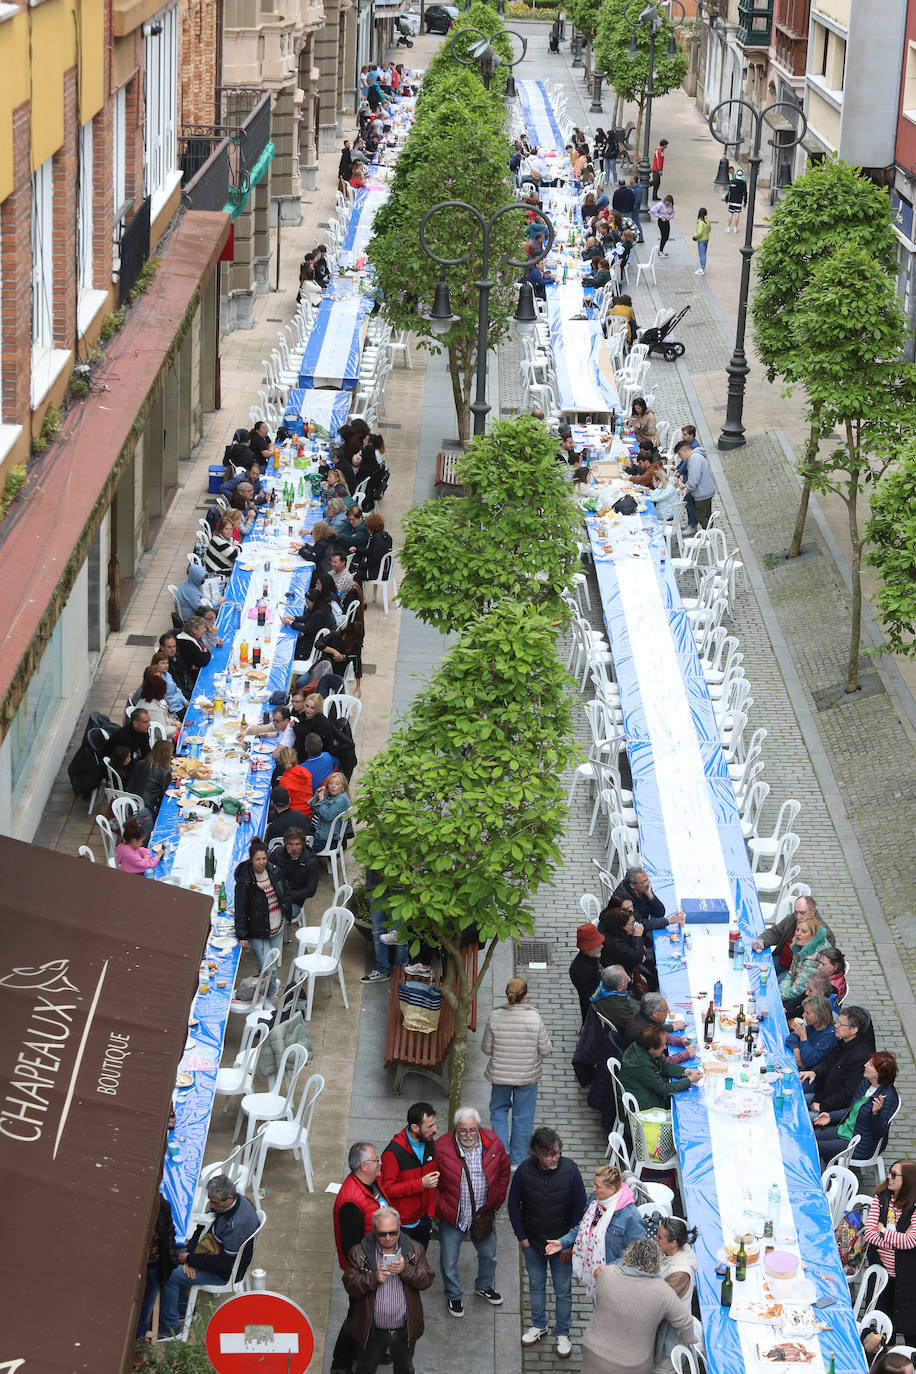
x,y
192,653
612,1000
367,462
316,616
335,513
234,1225
649,1075
246,512
832,1084
309,289
188,594
283,816
582,481
833,963
320,266
212,638
130,855
168,645
260,443
623,306
538,279
318,761
238,456
665,493
222,550
807,942
624,944
334,487
356,538
874,1103
134,736
153,699
654,1011
624,248
642,420
299,867
339,575
312,720
356,179
817,985
778,937
648,909
279,729
812,1035
250,473
650,466
592,248
149,779
324,542
367,567
331,799
344,647
600,274
289,773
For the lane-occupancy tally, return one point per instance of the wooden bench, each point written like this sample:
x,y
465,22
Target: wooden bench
x,y
447,470
416,1052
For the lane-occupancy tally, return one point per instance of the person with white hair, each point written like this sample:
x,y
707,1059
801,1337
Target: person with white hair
x,y
385,1275
632,1300
473,1177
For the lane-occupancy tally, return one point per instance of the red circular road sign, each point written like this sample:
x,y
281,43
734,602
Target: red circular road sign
x,y
260,1333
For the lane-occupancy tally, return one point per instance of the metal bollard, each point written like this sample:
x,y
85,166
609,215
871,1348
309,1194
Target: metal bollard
x,y
596,107
259,1280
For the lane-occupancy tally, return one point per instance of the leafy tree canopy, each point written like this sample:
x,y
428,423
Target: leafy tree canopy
x,y
628,75
830,206
513,536
584,14
480,16
891,534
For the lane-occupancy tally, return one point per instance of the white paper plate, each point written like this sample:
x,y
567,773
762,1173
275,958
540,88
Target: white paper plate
x,y
224,942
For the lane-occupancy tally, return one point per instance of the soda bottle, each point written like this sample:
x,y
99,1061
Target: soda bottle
x,y
243,651
717,992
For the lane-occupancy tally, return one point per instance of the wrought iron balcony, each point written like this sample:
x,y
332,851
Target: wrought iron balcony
x,y
755,23
221,162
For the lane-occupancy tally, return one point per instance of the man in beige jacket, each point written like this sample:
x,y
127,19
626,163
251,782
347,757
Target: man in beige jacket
x,y
516,1042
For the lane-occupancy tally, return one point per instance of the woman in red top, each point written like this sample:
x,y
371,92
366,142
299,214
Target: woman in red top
x,y
833,963
296,779
891,1234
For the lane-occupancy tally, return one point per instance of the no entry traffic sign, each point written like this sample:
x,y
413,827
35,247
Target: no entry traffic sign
x,y
260,1333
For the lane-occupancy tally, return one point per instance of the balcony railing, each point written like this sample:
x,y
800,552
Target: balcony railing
x,y
133,249
755,23
790,53
219,160
792,17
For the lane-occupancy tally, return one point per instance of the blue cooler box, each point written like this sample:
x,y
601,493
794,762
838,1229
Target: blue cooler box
x,y
217,477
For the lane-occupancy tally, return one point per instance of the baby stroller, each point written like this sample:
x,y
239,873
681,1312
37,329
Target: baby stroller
x,y
657,339
403,28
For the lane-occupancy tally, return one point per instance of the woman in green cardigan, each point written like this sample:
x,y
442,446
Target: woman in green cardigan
x,y
649,1076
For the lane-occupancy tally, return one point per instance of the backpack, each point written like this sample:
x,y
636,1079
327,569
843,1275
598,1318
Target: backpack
x,y
84,769
850,1240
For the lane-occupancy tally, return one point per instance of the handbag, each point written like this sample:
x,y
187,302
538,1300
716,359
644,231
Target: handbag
x,y
482,1221
421,1005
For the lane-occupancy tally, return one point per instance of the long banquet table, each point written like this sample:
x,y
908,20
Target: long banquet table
x,y
265,557
733,1146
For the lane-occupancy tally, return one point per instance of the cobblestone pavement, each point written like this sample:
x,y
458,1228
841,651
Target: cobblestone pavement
x,y
851,765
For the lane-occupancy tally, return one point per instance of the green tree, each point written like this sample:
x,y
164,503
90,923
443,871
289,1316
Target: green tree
x,y
461,814
830,205
462,554
628,75
891,534
444,63
457,149
848,331
583,15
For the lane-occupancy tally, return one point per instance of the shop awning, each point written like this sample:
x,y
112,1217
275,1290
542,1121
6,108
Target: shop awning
x,y
97,973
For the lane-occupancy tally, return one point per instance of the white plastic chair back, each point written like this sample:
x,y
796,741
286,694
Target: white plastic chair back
x,y
109,842
591,906
840,1187
872,1285
86,853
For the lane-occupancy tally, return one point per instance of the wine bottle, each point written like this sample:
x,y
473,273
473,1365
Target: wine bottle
x,y
709,1025
726,1298
740,1023
741,1263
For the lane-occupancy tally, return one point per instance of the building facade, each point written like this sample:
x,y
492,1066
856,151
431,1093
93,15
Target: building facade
x,y
903,193
99,407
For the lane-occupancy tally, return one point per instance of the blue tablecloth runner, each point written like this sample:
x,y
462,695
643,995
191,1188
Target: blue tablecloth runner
x,y
326,410
332,354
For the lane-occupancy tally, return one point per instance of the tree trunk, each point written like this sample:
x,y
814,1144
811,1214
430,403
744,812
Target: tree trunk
x,y
855,629
810,454
460,398
460,999
587,75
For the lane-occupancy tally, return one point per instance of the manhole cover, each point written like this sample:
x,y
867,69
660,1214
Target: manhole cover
x,y
528,952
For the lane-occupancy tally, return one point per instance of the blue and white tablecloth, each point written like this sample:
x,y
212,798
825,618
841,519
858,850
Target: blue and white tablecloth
x,y
543,129
578,352
692,845
359,226
325,410
332,354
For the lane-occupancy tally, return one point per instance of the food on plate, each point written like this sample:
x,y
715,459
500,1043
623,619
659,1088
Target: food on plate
x,y
727,1021
729,1052
751,1248
789,1352
781,1264
191,768
255,674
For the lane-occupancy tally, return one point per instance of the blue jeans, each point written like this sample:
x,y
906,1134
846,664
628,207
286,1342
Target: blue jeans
x,y
261,948
522,1102
691,508
386,956
610,171
170,1302
450,1238
702,246
536,1264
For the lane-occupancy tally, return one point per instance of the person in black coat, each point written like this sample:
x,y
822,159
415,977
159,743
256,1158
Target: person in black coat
x,y
133,736
324,542
335,739
318,616
648,909
839,1073
262,904
298,865
366,568
585,969
160,1261
284,817
191,654
624,943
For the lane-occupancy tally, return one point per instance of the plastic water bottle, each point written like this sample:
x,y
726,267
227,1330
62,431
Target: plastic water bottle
x,y
773,1201
717,993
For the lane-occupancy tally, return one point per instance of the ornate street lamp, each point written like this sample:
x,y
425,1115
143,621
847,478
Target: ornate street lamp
x,y
441,317
487,58
732,435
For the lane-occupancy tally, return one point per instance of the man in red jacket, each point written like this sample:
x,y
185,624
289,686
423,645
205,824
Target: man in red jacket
x,y
359,1199
473,1178
409,1172
658,165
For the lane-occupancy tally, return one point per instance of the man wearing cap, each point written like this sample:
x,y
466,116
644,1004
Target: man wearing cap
x,y
585,969
284,817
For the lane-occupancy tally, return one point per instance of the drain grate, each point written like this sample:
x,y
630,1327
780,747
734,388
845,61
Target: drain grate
x,y
389,424
528,952
144,641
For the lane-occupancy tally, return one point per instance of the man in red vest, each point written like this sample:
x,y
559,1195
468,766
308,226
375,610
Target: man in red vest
x,y
354,1207
658,166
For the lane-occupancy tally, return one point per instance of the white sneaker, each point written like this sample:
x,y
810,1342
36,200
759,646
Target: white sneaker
x,y
389,938
700,272
534,1334
564,1347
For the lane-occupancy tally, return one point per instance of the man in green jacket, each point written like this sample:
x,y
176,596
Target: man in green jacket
x,y
649,1076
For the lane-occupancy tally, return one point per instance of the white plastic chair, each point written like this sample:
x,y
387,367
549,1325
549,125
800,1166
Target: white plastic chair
x,y
878,1322
293,1134
86,853
647,267
259,997
276,1103
687,1359
333,849
840,1187
386,579
325,960
345,707
876,1161
773,879
125,806
591,906
872,1285
235,1080
96,738
238,1166
766,846
109,842
751,808
232,1285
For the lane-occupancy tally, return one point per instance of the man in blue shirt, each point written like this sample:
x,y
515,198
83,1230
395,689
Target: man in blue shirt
x,y
235,1223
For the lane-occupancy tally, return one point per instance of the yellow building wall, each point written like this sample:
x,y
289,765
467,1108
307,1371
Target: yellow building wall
x,y
92,58
14,89
53,51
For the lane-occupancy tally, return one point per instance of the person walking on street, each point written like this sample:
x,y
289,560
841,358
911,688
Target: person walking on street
x,y
409,1175
546,1200
516,1042
385,1275
473,1178
663,212
737,199
658,165
701,239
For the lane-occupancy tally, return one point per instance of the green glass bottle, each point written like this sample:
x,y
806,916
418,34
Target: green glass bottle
x,y
741,1264
726,1298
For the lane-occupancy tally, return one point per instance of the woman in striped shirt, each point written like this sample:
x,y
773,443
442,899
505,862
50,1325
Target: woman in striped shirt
x,y
891,1234
262,904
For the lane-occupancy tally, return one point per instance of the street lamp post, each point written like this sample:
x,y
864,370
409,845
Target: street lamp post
x,y
732,435
649,14
485,55
441,317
